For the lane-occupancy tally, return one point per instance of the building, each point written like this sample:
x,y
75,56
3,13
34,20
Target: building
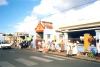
x,y
87,32
44,30
79,30
8,38
20,36
1,37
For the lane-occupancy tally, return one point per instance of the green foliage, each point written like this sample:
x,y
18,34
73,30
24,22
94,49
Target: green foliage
x,y
90,54
10,35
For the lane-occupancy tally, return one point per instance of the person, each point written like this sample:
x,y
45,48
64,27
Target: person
x,y
57,47
98,47
49,42
69,44
33,44
93,49
62,45
44,47
74,48
39,45
53,45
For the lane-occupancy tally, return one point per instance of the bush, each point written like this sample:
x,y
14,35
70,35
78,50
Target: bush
x,y
90,54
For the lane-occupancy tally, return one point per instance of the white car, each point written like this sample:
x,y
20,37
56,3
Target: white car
x,y
5,45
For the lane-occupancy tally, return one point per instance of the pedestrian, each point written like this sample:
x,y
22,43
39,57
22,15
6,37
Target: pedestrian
x,y
49,42
57,47
98,47
62,45
44,47
33,44
39,45
74,48
53,45
69,48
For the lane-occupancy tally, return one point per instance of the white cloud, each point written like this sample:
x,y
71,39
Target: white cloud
x,y
73,17
30,22
45,8
3,2
51,10
28,25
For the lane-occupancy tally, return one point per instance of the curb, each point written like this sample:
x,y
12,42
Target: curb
x,y
64,55
87,59
76,57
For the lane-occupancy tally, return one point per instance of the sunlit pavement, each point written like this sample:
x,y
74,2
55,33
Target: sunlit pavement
x,y
83,57
30,58
63,54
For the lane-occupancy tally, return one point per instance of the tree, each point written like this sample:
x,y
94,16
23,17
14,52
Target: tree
x,y
10,35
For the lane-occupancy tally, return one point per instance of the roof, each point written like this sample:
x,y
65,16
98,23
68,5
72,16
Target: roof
x,y
43,25
47,25
87,26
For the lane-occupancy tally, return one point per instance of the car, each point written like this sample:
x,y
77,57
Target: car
x,y
5,44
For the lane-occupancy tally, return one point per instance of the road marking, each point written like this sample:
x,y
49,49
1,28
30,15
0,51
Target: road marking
x,y
6,64
56,58
26,62
41,59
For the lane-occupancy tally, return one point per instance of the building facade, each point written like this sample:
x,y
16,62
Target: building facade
x,y
44,30
86,34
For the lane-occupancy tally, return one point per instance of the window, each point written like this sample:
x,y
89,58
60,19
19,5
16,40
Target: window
x,y
48,36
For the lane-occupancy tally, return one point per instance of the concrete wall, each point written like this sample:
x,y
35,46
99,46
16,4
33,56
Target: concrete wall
x,y
48,34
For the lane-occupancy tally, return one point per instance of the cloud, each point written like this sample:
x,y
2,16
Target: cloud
x,y
53,6
28,25
61,13
45,8
30,22
3,2
74,17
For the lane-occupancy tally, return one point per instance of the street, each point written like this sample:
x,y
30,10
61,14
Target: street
x,y
29,58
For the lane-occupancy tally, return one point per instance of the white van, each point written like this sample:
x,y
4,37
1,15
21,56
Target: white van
x,y
4,44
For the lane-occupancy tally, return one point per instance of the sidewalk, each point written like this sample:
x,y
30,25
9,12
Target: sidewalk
x,y
96,59
63,54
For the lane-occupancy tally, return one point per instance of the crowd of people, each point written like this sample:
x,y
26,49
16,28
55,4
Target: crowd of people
x,y
70,47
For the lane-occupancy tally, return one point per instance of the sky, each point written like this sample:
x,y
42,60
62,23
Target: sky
x,y
24,15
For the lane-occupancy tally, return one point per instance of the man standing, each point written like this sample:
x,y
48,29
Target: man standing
x,y
74,48
69,48
98,47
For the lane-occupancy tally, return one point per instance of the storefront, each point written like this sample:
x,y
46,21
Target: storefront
x,y
86,34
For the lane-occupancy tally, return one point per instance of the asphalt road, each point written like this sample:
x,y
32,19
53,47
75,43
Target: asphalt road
x,y
28,58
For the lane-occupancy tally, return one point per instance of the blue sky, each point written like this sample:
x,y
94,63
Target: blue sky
x,y
14,12
18,15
